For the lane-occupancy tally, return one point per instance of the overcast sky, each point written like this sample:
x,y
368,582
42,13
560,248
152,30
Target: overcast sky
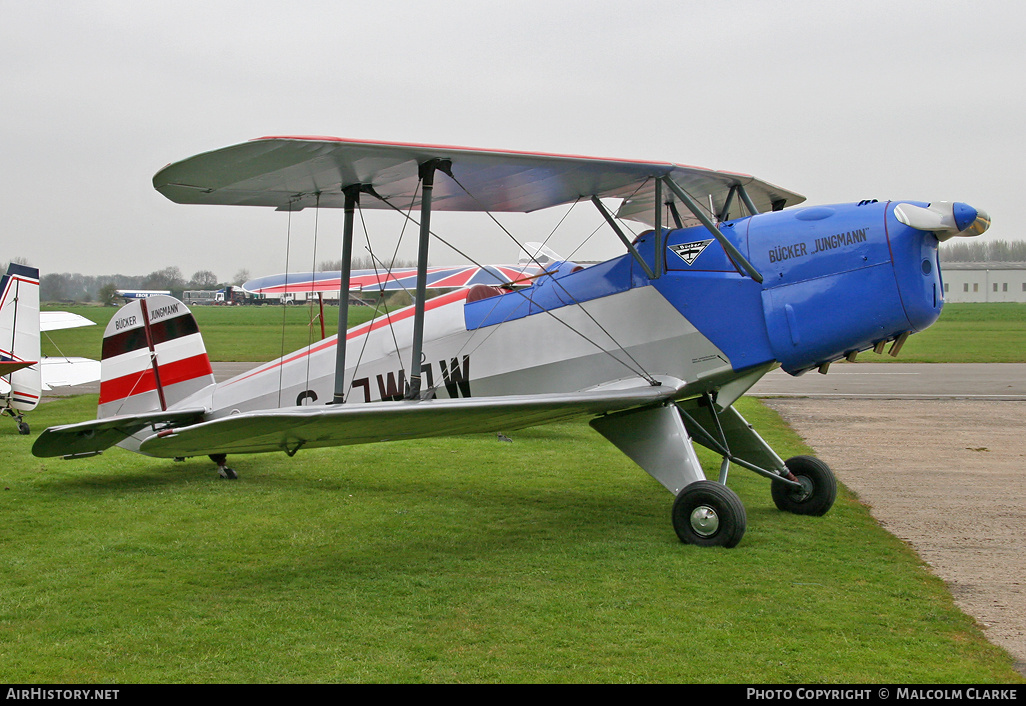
x,y
839,101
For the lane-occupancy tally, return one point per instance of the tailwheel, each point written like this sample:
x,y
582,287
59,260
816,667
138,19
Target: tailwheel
x,y
709,514
23,428
222,466
818,491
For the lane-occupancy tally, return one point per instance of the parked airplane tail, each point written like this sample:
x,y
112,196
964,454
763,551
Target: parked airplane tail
x,y
19,339
153,358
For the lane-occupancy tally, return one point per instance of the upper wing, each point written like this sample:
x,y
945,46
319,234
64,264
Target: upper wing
x,y
56,320
297,172
337,425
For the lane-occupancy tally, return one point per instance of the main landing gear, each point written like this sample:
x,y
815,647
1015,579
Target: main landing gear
x,y
802,485
707,513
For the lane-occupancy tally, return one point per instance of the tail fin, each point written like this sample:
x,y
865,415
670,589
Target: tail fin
x,y
153,358
19,338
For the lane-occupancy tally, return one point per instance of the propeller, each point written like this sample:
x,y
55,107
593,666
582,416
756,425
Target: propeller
x,y
945,219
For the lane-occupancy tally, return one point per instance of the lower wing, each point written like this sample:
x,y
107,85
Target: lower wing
x,y
337,425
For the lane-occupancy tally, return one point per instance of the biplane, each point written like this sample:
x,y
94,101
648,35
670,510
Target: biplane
x,y
729,279
24,374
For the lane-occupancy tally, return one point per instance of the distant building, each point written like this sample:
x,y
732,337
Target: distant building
x,y
984,281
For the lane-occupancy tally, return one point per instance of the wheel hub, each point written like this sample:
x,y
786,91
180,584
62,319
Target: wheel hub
x,y
704,521
803,494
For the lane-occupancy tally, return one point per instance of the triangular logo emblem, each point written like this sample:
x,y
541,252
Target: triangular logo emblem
x,y
689,252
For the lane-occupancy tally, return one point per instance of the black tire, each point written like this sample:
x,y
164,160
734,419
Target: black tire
x,y
819,488
708,514
23,429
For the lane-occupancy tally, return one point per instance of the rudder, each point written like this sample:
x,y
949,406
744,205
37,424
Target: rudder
x,y
19,338
153,358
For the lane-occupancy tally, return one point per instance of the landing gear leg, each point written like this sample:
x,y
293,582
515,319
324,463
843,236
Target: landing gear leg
x,y
23,427
705,513
222,466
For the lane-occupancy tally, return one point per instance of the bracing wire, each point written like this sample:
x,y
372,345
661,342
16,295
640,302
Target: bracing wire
x,y
580,306
377,276
637,368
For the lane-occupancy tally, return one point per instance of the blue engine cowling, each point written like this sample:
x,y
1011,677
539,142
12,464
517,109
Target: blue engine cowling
x,y
837,279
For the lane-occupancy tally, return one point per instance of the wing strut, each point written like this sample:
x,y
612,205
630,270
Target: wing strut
x,y
427,176
747,199
352,194
732,251
660,236
725,211
616,229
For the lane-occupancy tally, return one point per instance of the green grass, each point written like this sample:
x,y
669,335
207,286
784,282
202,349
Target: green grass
x,y
968,333
550,559
235,333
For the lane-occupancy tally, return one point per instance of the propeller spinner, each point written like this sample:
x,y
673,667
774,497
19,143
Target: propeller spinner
x,y
944,219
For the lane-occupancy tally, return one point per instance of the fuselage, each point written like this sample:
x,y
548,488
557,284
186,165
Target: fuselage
x,y
836,280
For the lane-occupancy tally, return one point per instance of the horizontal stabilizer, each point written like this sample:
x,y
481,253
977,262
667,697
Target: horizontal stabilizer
x,y
62,372
57,320
336,425
96,435
9,366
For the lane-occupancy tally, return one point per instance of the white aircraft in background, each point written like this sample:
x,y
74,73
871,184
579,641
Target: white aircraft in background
x,y
653,347
24,374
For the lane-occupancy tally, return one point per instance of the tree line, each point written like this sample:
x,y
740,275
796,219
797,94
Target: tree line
x,y
975,250
75,287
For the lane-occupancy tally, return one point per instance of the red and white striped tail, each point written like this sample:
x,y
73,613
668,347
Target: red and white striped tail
x,y
153,358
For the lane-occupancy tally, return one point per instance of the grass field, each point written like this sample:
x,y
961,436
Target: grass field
x,y
549,559
968,333
965,333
